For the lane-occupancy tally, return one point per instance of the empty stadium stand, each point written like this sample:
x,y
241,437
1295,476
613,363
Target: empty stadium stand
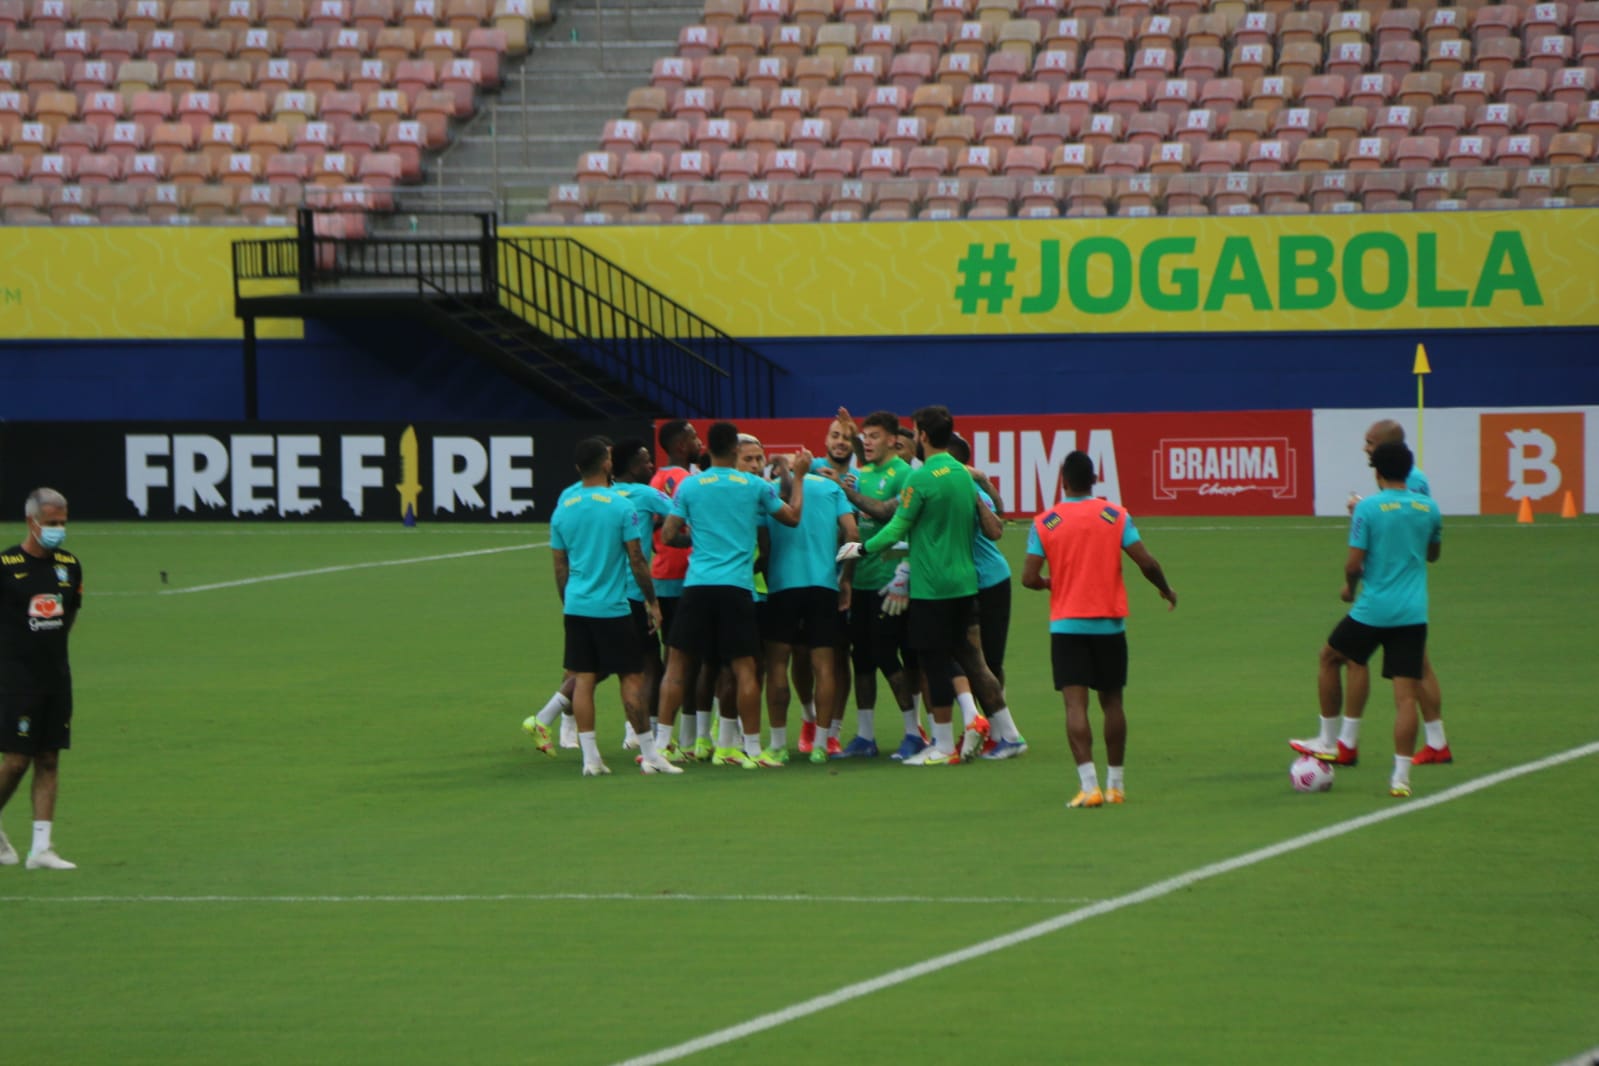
x,y
842,110
133,111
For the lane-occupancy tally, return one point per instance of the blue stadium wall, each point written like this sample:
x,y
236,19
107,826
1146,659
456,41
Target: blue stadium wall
x,y
347,370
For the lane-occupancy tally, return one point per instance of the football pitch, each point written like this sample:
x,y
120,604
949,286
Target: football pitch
x,y
310,829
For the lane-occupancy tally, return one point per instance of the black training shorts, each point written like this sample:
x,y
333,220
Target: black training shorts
x,y
716,624
35,720
1404,648
1089,660
808,617
993,616
940,625
602,645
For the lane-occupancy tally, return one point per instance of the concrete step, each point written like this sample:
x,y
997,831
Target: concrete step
x,y
565,57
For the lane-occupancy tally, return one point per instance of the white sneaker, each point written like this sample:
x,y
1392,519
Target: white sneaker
x,y
928,756
568,731
657,764
49,860
8,854
630,741
595,769
1313,747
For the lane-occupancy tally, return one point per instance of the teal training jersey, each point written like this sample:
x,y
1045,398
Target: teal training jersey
x,y
1394,529
992,569
724,507
649,503
1417,482
802,555
878,481
938,515
593,527
1085,626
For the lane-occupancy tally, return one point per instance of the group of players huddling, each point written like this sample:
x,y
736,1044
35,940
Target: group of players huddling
x,y
856,563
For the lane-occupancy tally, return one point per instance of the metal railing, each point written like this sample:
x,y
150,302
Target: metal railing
x,y
632,331
616,323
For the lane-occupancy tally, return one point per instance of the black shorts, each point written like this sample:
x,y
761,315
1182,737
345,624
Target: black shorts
x,y
602,645
993,615
648,640
716,624
940,625
1089,660
877,640
1404,648
668,612
808,617
36,720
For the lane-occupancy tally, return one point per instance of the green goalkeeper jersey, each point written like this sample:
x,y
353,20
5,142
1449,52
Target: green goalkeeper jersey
x,y
938,515
878,481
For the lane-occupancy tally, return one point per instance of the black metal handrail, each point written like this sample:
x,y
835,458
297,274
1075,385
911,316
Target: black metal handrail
x,y
622,326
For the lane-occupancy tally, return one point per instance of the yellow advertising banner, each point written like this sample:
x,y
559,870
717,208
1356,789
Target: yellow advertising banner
x,y
124,283
1430,270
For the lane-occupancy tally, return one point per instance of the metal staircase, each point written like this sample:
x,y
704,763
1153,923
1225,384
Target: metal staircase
x,y
549,313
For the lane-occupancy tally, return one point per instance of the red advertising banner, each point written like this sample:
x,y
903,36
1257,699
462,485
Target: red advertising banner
x,y
1166,463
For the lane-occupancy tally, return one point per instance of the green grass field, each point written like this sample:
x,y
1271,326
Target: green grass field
x,y
339,756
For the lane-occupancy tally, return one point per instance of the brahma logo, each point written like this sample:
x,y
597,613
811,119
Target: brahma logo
x,y
46,611
1225,466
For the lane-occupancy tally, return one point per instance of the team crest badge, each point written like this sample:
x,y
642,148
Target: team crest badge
x,y
24,726
61,574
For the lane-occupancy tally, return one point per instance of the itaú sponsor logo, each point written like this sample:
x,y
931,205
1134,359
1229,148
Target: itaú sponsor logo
x,y
1224,466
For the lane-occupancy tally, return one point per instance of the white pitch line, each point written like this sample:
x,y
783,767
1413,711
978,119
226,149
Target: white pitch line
x,y
1082,914
289,575
550,897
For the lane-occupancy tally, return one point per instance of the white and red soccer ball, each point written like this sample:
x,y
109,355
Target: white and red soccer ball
x,y
1310,774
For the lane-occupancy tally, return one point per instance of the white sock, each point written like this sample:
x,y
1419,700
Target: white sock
x,y
663,737
1088,776
552,710
632,737
1113,777
808,711
689,728
910,722
702,723
41,837
591,748
779,737
968,707
752,745
1401,771
727,732
944,736
1001,726
1329,732
1349,732
866,723
646,745
834,730
1435,734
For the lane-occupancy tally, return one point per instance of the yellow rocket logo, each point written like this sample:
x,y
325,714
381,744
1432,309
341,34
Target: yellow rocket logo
x,y
410,486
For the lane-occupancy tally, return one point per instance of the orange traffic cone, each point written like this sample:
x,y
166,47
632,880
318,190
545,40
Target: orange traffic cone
x,y
1524,515
1568,509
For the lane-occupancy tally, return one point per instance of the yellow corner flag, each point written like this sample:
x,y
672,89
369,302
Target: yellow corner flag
x,y
1421,368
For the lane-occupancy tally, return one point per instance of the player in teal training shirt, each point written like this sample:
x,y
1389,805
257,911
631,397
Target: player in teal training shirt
x,y
1393,536
1358,690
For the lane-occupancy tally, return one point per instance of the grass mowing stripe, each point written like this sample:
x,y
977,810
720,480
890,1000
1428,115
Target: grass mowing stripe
x,y
552,897
291,574
1082,914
